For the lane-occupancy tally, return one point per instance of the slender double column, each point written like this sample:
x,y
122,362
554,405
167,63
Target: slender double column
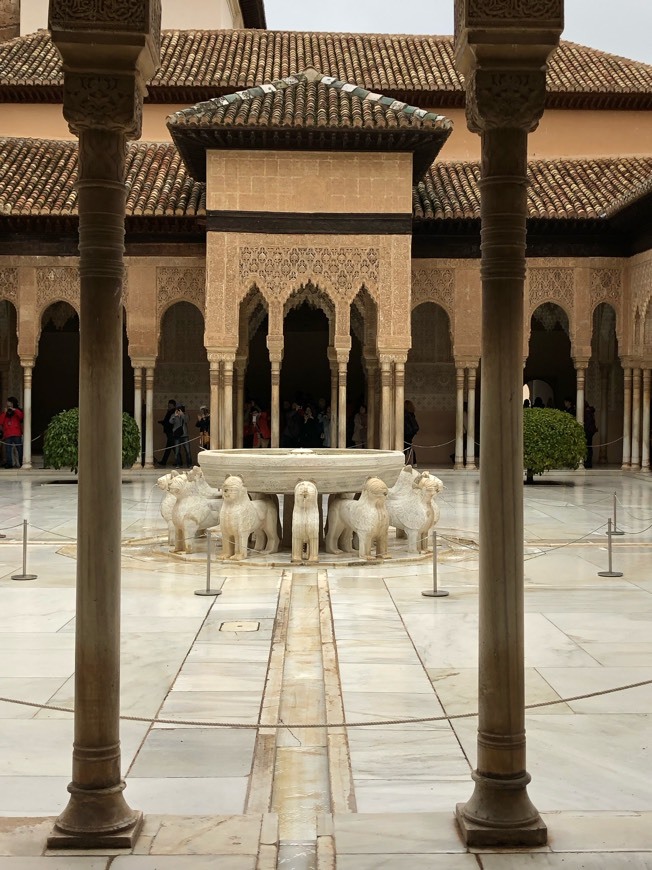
x,y
580,382
636,418
645,435
385,403
342,371
470,420
459,419
149,417
399,404
372,372
627,419
240,371
214,378
275,344
332,359
227,380
138,405
28,367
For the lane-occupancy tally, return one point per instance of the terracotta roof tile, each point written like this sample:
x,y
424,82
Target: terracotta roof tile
x,y
37,177
196,63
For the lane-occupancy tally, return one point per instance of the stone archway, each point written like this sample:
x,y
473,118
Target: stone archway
x,y
56,370
10,371
549,357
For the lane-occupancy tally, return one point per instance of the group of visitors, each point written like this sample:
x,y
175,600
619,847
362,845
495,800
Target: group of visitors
x,y
305,423
257,430
11,433
175,427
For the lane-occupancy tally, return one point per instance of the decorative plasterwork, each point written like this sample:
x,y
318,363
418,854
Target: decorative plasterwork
x,y
9,284
175,284
338,272
641,285
434,285
551,285
57,283
606,286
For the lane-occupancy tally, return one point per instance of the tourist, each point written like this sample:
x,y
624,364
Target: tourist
x,y
261,426
569,406
410,429
324,419
166,423
204,425
538,402
360,428
11,432
526,403
310,430
180,432
590,429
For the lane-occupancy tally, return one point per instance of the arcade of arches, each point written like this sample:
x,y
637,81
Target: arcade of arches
x,y
352,319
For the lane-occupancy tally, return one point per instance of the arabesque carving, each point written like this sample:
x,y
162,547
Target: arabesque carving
x,y
606,286
180,285
434,285
59,282
9,284
513,10
551,285
641,285
505,98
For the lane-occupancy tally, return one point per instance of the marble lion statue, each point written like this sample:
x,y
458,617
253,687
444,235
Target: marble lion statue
x,y
402,489
305,523
167,504
192,513
241,517
367,518
414,512
197,476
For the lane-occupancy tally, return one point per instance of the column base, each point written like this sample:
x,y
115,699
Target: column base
x,y
148,465
125,839
459,466
26,466
485,836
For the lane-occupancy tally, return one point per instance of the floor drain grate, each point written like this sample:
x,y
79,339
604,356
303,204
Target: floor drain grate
x,y
240,626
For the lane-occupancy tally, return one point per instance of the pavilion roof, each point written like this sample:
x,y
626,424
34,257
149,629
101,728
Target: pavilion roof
x,y
307,111
37,179
200,64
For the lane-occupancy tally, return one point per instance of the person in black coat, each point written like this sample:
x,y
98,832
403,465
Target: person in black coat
x,y
166,423
410,429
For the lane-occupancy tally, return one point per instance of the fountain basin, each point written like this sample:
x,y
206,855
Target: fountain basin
x,y
279,469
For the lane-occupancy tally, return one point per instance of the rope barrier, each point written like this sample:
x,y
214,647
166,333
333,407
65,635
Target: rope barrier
x,y
633,516
303,725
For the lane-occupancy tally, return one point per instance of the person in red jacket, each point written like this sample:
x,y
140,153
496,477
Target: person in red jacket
x,y
11,426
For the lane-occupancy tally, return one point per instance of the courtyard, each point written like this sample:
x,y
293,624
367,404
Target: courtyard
x,y
321,647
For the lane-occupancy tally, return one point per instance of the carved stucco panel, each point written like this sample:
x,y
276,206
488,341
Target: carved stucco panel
x,y
9,284
606,286
434,285
554,284
174,284
57,283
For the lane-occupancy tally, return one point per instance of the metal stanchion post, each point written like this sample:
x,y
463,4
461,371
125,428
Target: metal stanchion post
x,y
208,590
615,530
24,575
434,592
610,572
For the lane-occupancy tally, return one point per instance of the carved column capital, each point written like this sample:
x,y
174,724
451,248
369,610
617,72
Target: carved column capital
x,y
497,98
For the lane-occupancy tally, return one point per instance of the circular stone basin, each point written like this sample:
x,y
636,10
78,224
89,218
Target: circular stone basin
x,y
279,469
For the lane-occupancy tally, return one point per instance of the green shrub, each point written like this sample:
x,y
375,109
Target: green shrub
x,y
551,439
60,444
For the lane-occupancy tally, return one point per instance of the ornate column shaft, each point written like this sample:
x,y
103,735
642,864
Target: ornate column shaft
x,y
505,100
372,370
580,382
603,435
149,417
385,402
627,419
636,418
332,358
645,435
275,344
240,371
342,368
459,419
28,367
227,375
399,404
138,404
214,378
470,421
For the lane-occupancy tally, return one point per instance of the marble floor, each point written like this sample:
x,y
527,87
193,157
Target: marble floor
x,y
327,646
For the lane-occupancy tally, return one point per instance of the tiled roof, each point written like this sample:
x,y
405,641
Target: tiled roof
x,y
308,111
201,63
37,178
576,189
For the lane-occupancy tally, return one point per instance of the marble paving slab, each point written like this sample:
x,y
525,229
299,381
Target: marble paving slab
x,y
195,752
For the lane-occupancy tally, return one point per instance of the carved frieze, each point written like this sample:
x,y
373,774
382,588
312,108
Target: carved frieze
x,y
175,284
498,98
110,102
480,11
551,285
434,285
57,283
606,286
9,284
641,284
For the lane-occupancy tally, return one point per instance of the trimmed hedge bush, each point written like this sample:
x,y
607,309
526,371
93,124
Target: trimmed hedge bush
x,y
551,439
60,444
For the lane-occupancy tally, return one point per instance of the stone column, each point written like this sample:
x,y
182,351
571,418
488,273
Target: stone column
x,y
342,368
645,435
138,405
149,417
102,102
603,435
504,100
332,358
636,418
580,380
214,377
227,380
385,402
371,369
399,403
627,419
240,371
459,419
470,421
275,347
28,366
